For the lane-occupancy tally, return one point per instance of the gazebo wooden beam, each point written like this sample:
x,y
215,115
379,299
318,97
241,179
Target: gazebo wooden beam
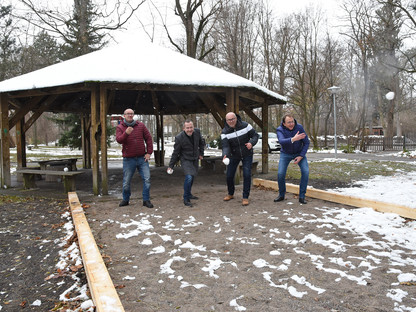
x,y
39,111
164,87
253,116
21,113
49,91
252,97
217,111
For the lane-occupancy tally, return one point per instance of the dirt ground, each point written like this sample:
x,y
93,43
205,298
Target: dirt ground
x,y
31,229
215,256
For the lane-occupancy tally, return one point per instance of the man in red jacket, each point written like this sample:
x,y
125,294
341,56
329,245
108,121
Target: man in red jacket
x,y
133,135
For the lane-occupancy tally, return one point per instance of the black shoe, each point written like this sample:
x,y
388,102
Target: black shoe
x,y
123,203
193,197
187,202
302,200
147,203
280,198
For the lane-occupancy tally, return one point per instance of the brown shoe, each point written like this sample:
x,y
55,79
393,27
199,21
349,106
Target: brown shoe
x,y
228,197
245,201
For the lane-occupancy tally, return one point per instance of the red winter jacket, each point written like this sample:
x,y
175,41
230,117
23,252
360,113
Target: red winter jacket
x,y
133,144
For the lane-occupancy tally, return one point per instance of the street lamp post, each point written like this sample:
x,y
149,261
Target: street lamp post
x,y
334,90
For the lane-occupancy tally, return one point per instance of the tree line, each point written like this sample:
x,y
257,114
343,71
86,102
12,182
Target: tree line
x,y
369,53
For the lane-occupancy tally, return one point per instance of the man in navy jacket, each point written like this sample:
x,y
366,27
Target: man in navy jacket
x,y
295,143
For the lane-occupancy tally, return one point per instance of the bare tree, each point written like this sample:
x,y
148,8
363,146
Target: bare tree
x,y
236,38
386,45
197,18
9,50
277,42
408,12
361,40
85,27
307,71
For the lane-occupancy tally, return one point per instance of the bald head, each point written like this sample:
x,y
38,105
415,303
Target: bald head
x,y
231,119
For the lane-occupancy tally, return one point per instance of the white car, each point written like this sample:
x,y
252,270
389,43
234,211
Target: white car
x,y
272,143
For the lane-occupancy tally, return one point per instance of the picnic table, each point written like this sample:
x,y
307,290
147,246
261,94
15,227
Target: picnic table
x,y
70,163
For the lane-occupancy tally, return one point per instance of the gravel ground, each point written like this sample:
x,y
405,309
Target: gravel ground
x,y
259,257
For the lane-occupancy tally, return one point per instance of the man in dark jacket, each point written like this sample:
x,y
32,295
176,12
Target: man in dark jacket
x,y
133,135
189,148
238,138
295,143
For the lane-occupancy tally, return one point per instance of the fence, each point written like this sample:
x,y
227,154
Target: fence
x,y
374,143
381,143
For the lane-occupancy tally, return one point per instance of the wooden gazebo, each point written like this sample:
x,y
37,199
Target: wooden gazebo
x,y
150,79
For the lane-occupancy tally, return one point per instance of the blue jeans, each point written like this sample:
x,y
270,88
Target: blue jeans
x,y
284,161
130,164
232,168
187,186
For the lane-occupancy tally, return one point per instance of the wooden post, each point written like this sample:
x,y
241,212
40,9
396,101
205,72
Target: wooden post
x,y
95,122
265,139
401,210
101,286
232,100
159,153
20,144
84,141
5,176
233,105
103,118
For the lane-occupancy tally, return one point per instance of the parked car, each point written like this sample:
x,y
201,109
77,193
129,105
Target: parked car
x,y
272,143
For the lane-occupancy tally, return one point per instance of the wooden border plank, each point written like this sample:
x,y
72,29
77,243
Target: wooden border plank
x,y
102,289
401,210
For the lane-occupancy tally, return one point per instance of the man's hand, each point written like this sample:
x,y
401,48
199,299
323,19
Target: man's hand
x,y
249,146
129,130
298,136
297,159
146,157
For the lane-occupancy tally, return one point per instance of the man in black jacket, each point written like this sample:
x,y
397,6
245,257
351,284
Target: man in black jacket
x,y
238,138
189,148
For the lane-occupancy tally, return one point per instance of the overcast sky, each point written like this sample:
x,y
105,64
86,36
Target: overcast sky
x,y
281,8
143,17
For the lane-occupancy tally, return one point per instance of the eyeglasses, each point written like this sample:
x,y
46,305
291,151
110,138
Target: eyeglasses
x,y
129,114
231,119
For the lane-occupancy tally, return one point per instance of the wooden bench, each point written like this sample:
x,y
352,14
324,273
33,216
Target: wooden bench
x,y
67,176
213,163
253,168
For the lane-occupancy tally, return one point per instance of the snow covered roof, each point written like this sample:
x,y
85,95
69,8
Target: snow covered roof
x,y
135,62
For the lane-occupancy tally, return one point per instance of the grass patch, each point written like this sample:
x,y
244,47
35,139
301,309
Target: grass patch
x,y
4,199
347,172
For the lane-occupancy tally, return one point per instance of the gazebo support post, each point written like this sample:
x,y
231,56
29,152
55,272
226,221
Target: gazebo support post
x,y
20,144
103,118
232,101
85,138
95,122
159,154
265,140
5,176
